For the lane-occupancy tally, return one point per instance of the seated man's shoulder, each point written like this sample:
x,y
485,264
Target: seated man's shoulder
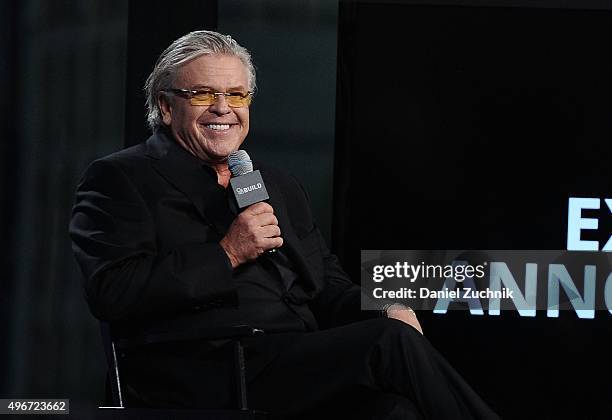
x,y
129,161
125,170
133,155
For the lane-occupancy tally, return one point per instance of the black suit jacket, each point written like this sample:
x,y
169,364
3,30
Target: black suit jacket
x,y
146,228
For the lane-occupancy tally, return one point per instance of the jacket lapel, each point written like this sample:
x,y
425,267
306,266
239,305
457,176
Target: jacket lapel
x,y
188,175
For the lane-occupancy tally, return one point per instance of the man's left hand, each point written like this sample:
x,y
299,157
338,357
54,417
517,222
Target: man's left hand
x,y
404,314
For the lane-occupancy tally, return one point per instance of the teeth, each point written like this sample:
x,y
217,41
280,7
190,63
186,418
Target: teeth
x,y
218,126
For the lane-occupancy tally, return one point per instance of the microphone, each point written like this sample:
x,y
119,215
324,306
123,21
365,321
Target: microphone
x,y
247,185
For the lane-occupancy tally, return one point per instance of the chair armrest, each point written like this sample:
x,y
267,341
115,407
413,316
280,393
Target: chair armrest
x,y
220,333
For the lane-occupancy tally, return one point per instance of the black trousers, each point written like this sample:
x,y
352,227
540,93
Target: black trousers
x,y
377,369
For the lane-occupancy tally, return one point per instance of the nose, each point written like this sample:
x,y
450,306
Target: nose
x,y
220,107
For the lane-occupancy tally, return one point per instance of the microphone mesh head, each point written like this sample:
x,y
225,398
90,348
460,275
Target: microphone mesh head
x,y
239,163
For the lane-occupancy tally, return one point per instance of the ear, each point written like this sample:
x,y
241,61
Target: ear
x,y
165,107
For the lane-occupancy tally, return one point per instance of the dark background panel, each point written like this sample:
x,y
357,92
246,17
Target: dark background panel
x,y
469,128
293,44
62,105
482,129
8,151
153,25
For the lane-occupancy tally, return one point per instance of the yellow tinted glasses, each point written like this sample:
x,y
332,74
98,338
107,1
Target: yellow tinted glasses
x,y
207,98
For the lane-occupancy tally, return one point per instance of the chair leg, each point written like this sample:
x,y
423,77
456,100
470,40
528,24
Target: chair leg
x,y
117,395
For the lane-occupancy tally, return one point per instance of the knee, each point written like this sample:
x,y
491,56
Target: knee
x,y
395,329
395,339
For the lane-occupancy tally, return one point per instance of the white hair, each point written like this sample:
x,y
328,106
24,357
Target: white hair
x,y
181,51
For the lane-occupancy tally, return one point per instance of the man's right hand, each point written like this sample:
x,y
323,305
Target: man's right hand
x,y
252,233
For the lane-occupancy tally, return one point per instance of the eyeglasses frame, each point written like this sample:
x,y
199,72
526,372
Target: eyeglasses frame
x,y
190,93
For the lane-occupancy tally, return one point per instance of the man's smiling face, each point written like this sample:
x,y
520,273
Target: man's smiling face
x,y
209,132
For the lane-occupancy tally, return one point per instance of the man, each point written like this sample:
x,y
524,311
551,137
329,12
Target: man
x,y
163,248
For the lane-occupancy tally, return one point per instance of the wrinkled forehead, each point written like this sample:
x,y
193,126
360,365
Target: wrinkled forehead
x,y
220,72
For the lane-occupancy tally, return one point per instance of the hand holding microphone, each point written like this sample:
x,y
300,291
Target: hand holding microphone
x,y
256,229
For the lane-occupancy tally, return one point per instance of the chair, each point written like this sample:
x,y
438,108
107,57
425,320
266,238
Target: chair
x,y
235,334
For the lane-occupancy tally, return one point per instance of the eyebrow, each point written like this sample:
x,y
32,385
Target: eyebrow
x,y
205,87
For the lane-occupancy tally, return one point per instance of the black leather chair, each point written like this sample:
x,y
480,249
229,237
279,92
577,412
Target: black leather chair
x,y
241,411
